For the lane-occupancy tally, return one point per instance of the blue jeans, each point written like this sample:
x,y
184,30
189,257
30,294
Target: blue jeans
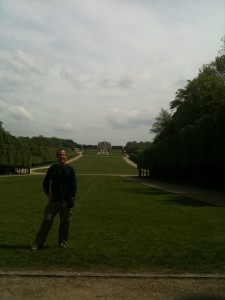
x,y
51,210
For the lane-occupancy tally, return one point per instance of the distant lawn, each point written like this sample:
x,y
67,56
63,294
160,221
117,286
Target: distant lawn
x,y
118,225
103,165
95,152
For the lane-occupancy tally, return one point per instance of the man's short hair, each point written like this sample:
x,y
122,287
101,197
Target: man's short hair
x,y
61,149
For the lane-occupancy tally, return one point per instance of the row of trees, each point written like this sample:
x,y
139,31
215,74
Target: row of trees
x,y
189,143
25,152
134,149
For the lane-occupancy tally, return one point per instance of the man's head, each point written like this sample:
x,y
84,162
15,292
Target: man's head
x,y
61,156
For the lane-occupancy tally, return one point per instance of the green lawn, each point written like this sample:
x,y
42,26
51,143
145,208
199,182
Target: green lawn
x,y
103,165
118,225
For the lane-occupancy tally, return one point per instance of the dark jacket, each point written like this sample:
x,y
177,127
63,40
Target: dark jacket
x,y
62,183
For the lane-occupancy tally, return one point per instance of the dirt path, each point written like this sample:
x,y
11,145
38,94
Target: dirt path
x,y
205,195
89,288
213,197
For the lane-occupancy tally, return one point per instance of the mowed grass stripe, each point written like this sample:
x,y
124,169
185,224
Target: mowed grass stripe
x,y
103,165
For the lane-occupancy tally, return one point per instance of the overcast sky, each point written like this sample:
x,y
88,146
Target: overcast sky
x,y
100,70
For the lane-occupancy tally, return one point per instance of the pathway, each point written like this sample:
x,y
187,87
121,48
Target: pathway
x,y
213,197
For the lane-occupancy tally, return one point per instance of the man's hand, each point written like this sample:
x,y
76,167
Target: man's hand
x,y
49,196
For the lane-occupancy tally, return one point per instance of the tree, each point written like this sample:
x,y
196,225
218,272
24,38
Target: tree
x,y
189,143
201,97
222,50
21,152
163,125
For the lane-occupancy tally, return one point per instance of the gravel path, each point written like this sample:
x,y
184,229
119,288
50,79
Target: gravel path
x,y
89,288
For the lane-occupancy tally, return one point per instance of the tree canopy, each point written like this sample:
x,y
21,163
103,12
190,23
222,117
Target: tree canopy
x,y
24,152
202,98
189,141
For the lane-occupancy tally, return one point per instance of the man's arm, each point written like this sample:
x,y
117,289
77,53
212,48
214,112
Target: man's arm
x,y
73,183
46,184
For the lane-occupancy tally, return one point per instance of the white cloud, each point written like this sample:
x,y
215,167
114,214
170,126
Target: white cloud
x,y
2,104
128,119
20,61
20,112
63,128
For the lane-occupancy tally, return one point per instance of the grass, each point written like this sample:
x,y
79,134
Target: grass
x,y
95,152
118,225
109,165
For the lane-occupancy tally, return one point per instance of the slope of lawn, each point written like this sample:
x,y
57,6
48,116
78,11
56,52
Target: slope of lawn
x,y
118,225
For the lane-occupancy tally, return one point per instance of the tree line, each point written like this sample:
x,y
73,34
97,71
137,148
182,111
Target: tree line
x,y
189,142
134,149
25,152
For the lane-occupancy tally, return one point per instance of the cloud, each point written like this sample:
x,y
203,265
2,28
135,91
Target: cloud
x,y
2,104
85,81
128,119
20,113
22,62
23,72
76,79
63,127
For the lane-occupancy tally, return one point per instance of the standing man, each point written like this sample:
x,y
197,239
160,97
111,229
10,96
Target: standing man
x,y
60,187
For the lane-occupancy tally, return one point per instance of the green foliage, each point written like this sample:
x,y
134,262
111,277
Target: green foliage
x,y
189,143
23,152
133,149
163,125
203,96
13,151
136,147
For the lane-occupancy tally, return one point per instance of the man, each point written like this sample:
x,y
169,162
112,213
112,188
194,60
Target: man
x,y
60,187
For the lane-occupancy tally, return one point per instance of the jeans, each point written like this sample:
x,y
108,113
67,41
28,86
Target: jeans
x,y
51,210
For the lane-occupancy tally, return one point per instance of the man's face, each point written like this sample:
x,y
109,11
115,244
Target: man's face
x,y
62,157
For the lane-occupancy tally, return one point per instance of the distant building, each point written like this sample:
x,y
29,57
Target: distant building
x,y
104,146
